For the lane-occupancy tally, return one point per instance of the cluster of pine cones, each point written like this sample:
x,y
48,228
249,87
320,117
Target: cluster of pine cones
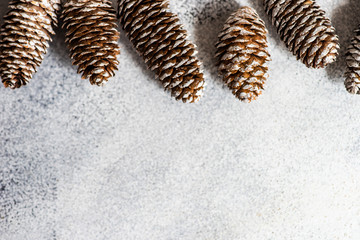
x,y
157,35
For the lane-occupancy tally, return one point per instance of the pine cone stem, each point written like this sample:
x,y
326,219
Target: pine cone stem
x,y
24,39
305,29
158,36
92,38
243,55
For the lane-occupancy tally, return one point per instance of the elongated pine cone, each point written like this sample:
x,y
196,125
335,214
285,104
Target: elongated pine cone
x,y
92,38
305,29
158,36
24,39
243,55
352,81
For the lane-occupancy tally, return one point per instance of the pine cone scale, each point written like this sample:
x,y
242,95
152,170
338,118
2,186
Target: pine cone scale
x,y
352,75
25,38
157,35
242,54
305,29
91,36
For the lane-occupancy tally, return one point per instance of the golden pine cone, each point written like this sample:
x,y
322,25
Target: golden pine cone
x,y
24,39
305,29
158,36
243,55
352,81
92,38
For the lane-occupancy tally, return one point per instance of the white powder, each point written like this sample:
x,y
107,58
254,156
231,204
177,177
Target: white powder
x,y
129,162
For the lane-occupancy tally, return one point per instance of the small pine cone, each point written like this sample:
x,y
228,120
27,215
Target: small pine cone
x,y
352,81
24,39
242,54
305,29
92,38
157,35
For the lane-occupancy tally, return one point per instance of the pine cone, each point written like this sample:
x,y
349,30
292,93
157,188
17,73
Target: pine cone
x,y
242,54
92,38
157,35
24,39
305,29
352,81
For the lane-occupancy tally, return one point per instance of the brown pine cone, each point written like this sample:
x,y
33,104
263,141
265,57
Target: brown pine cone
x,y
92,38
158,36
352,81
24,39
242,54
305,29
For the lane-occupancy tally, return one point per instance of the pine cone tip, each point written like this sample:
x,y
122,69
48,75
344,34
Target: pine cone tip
x,y
243,11
351,86
14,83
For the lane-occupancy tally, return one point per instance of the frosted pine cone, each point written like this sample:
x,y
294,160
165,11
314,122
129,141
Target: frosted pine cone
x,y
92,38
24,39
158,36
242,54
305,29
352,81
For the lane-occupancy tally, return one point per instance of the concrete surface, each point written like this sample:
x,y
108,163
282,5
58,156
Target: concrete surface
x,y
126,161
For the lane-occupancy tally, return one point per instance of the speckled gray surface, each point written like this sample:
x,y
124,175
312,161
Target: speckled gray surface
x,y
128,162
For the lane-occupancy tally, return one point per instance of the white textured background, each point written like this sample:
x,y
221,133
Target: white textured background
x,y
128,162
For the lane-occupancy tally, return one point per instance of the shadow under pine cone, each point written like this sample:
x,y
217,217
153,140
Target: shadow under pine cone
x,y
345,19
209,21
